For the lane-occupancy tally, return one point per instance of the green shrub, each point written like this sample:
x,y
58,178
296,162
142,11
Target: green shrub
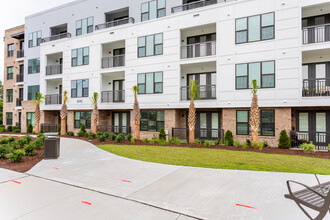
x,y
2,129
229,140
132,140
2,126
284,140
16,129
220,142
153,141
255,145
10,128
261,145
28,138
120,138
81,134
244,145
201,142
3,151
59,129
4,141
186,141
162,135
29,129
170,140
29,149
101,138
41,137
308,148
145,140
196,141
91,135
177,141
15,155
83,128
21,142
266,144
207,143
248,142
236,143
113,136
99,133
39,143
216,142
129,137
70,133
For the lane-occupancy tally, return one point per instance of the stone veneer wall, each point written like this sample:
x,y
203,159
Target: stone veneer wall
x,y
283,120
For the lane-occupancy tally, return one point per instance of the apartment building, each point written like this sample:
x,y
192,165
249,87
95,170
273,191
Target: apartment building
x,y
109,46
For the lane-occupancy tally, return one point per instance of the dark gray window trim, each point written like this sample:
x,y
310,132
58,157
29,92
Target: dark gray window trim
x,y
76,89
145,83
154,45
158,9
83,57
157,130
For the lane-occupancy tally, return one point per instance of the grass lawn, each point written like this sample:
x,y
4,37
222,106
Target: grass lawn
x,y
221,159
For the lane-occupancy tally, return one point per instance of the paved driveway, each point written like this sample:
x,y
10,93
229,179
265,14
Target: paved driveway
x,y
121,188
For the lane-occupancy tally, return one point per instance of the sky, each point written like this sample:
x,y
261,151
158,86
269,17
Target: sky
x,y
13,13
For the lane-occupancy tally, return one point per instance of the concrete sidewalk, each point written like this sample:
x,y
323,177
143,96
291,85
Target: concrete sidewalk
x,y
196,192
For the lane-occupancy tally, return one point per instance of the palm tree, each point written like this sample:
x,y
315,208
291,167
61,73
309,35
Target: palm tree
x,y
254,114
64,113
95,113
136,114
192,111
37,102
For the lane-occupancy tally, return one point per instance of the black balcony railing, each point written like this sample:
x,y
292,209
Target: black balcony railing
x,y
113,96
54,69
200,133
321,140
56,37
114,129
49,127
205,92
193,5
114,61
20,78
114,23
18,124
316,87
20,53
19,102
198,50
55,99
316,34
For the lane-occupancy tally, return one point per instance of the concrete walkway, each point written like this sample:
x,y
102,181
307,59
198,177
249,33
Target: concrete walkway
x,y
121,188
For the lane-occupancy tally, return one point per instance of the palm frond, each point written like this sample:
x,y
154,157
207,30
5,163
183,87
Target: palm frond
x,y
255,86
194,93
95,98
135,91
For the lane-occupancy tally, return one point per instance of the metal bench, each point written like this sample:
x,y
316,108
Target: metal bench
x,y
315,197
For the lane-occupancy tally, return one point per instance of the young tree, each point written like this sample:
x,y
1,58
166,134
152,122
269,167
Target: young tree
x,y
38,101
254,114
95,113
64,113
192,111
136,114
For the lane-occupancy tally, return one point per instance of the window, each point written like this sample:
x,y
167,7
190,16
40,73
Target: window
x,y
150,45
152,120
82,118
80,56
150,83
10,72
34,39
30,118
267,122
255,28
9,95
10,50
79,88
263,72
153,9
84,26
9,118
33,92
34,66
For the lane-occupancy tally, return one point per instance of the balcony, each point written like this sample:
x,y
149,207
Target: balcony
x,y
114,23
19,102
20,78
193,5
113,61
56,37
113,96
316,87
206,92
114,129
316,34
54,69
198,50
319,139
20,53
55,99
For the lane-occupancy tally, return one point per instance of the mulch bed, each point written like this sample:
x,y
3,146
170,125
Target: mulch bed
x,y
27,162
268,150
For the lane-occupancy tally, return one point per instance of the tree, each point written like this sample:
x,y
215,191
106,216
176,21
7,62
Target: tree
x,y
64,113
38,101
254,114
95,113
136,114
284,140
192,111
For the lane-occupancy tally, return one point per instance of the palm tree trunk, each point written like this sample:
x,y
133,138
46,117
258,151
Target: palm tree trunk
x,y
137,130
94,129
255,119
37,127
192,121
63,126
37,119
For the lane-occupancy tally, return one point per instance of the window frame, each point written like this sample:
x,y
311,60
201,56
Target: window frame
x,y
36,93
87,27
37,67
10,95
147,120
10,48
10,75
82,88
154,45
9,120
153,84
157,10
83,57
261,28
37,40
261,75
30,120
79,121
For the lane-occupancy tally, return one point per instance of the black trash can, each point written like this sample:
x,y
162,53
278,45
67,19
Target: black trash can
x,y
52,148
